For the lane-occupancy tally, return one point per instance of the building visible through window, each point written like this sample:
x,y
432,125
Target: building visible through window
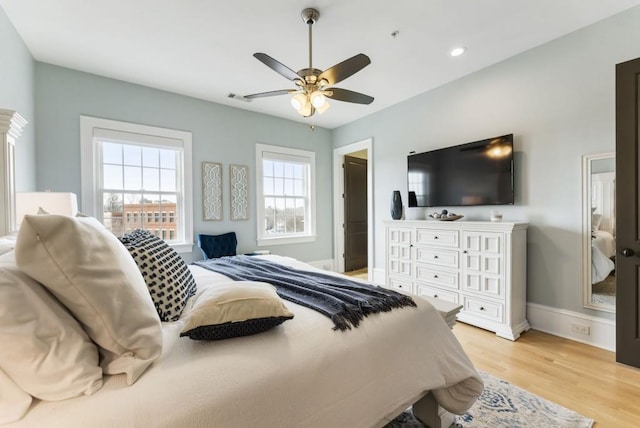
x,y
138,177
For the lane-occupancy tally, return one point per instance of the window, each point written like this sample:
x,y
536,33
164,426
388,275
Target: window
x,y
285,183
130,169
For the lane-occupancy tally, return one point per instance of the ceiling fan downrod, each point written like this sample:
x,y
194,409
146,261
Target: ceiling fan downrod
x,y
310,16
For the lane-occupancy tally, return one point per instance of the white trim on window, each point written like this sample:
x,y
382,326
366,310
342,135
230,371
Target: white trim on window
x,y
285,154
92,129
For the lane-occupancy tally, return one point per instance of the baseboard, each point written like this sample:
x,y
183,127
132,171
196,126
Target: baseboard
x,y
563,323
323,264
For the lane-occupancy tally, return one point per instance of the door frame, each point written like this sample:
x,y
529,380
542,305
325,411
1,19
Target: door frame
x,y
338,203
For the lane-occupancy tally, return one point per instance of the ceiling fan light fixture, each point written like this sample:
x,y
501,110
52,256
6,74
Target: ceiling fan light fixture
x,y
314,86
324,107
298,101
318,99
306,110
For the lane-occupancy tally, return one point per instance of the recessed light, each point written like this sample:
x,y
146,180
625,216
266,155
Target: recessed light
x,y
458,51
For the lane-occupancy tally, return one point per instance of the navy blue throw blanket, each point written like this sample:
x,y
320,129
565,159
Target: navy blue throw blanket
x,y
346,302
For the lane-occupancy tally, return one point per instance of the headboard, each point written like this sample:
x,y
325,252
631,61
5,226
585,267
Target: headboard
x,y
11,125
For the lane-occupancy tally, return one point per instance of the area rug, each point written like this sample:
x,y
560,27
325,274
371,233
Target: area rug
x,y
503,405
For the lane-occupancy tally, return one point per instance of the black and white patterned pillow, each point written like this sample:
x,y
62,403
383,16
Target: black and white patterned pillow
x,y
167,276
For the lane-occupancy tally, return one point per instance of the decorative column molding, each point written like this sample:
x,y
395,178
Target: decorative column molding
x,y
11,126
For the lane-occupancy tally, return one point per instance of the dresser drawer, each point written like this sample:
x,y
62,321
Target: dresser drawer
x,y
428,274
438,257
438,237
400,285
482,308
425,290
399,267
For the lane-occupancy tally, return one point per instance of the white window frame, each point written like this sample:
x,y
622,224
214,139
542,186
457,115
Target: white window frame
x,y
297,155
92,128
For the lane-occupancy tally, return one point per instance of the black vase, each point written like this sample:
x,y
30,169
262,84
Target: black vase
x,y
396,205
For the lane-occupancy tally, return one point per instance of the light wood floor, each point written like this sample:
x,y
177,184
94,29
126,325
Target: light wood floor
x,y
577,376
360,273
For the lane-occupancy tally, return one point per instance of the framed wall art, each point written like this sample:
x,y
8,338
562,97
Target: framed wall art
x,y
239,179
211,191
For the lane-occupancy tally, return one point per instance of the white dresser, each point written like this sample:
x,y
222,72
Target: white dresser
x,y
480,265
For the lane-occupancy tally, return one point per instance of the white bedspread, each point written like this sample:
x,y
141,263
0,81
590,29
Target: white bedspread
x,y
299,374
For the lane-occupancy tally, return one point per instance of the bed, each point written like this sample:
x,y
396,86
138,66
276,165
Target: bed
x,y
299,373
603,248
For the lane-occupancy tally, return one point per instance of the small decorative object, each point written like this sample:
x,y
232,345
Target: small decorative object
x,y
239,192
211,191
496,216
396,205
445,215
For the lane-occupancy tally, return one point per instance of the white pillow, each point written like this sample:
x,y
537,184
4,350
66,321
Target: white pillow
x,y
596,220
94,276
234,309
44,349
14,402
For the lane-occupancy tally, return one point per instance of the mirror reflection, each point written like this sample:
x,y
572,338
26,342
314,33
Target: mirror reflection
x,y
600,181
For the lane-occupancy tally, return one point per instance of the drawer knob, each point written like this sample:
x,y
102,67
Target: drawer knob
x,y
464,252
435,257
435,296
435,237
435,276
482,308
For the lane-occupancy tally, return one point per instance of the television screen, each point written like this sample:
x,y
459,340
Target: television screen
x,y
478,173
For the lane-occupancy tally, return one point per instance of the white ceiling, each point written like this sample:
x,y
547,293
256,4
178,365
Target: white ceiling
x,y
204,48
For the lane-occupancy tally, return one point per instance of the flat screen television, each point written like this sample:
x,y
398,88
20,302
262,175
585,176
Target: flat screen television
x,y
477,173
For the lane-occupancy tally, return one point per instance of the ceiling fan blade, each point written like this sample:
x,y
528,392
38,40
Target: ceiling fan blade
x,y
346,68
270,93
276,66
349,96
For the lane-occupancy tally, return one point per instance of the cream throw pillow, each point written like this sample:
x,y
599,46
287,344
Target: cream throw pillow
x,y
93,275
44,349
233,309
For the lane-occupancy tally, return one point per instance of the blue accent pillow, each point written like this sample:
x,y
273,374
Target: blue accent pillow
x,y
214,246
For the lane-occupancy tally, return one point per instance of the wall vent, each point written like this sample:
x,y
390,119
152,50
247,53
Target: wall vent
x,y
238,97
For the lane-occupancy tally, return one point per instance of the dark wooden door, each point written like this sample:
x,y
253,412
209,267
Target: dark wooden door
x,y
627,210
355,213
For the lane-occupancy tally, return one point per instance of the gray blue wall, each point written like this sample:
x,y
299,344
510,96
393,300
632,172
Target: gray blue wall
x,y
220,134
558,101
16,93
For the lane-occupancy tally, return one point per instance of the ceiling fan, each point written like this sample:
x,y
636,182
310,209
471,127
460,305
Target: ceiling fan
x,y
314,86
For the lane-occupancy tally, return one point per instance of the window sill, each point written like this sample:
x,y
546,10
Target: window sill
x,y
283,240
182,247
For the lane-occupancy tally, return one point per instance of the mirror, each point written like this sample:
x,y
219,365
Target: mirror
x,y
599,231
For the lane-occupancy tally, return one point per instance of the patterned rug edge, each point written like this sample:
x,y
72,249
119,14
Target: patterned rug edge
x,y
503,405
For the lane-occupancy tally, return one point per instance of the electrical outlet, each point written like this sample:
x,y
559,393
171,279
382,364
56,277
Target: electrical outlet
x,y
581,329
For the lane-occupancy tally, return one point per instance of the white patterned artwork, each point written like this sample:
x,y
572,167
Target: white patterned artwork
x,y
211,191
239,192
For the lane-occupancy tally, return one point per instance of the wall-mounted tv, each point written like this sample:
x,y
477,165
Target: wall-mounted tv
x,y
477,173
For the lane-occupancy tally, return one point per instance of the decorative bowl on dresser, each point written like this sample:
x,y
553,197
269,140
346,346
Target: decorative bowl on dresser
x,y
479,265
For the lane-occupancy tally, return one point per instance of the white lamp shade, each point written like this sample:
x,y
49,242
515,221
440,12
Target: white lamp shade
x,y
306,109
324,107
62,203
298,101
318,99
